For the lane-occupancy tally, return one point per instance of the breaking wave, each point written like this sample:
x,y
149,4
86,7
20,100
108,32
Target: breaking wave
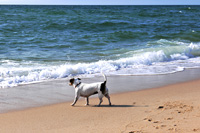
x,y
150,61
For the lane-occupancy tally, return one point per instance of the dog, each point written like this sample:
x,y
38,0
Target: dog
x,y
86,90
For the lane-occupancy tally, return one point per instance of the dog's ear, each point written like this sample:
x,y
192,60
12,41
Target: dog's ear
x,y
79,79
71,80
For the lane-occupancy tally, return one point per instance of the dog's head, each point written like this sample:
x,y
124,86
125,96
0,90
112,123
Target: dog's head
x,y
74,81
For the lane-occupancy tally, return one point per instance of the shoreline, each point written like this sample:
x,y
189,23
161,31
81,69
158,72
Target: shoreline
x,y
58,91
172,108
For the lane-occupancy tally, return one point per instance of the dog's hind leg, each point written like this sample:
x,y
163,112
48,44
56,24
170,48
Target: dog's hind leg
x,y
107,96
100,99
87,101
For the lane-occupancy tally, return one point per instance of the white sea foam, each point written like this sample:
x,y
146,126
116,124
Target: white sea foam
x,y
162,60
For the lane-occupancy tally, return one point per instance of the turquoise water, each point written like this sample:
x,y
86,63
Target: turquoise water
x,y
48,42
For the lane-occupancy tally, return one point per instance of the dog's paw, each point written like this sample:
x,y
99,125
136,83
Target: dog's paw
x,y
72,104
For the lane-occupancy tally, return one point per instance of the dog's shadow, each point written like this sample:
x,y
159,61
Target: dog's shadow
x,y
119,106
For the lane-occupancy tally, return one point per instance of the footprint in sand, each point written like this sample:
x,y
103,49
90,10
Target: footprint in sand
x,y
178,106
170,118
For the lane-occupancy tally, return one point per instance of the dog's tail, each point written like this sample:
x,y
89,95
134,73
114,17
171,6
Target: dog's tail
x,y
105,78
103,85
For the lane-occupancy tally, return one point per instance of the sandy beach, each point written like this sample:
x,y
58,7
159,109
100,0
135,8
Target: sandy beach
x,y
173,108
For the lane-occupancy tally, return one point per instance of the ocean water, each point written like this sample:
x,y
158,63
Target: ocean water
x,y
39,43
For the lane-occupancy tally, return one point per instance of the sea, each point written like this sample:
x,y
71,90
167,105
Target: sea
x,y
40,43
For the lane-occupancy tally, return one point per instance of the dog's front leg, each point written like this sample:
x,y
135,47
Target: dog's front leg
x,y
75,100
77,95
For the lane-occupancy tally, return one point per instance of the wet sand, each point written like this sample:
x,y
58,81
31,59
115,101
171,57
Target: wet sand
x,y
58,91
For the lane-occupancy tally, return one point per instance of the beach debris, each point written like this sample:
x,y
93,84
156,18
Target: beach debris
x,y
148,119
160,107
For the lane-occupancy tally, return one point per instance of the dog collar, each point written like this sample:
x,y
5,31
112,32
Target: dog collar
x,y
78,84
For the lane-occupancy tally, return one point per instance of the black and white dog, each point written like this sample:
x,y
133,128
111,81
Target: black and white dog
x,y
86,90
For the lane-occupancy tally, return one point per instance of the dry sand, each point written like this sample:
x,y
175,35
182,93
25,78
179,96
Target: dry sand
x,y
173,108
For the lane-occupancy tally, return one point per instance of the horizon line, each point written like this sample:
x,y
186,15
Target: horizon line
x,y
100,5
